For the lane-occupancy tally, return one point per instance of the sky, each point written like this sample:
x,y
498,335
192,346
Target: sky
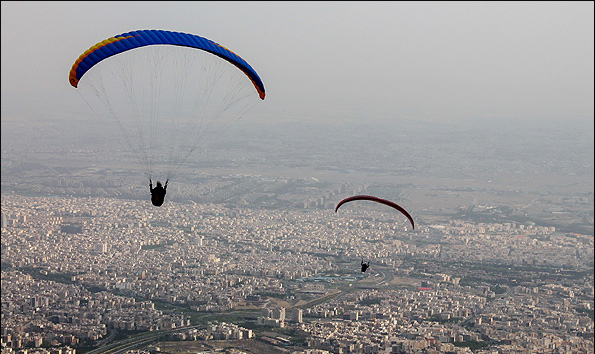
x,y
333,61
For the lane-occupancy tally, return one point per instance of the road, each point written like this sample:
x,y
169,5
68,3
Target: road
x,y
379,277
136,342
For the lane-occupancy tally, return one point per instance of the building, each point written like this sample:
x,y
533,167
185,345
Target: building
x,y
279,314
296,315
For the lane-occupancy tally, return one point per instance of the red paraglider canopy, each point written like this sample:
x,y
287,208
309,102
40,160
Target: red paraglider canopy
x,y
378,200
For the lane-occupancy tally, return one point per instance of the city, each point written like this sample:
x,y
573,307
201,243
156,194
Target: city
x,y
248,252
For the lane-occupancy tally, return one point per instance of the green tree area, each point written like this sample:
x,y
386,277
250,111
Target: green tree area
x,y
499,289
370,301
589,312
475,345
42,274
443,320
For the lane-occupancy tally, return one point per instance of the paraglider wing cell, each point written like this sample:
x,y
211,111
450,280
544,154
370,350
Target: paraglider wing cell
x,y
378,200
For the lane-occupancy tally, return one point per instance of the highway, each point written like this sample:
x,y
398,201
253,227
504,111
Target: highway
x,y
380,275
137,342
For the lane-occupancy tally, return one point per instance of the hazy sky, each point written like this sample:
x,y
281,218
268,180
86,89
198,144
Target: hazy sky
x,y
333,60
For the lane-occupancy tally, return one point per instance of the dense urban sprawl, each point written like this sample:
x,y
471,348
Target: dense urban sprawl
x,y
77,270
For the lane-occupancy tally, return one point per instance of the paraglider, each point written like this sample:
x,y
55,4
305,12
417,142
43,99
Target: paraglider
x,y
170,93
158,193
378,200
365,266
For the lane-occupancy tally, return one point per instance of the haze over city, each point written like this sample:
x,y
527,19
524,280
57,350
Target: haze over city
x,y
477,118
